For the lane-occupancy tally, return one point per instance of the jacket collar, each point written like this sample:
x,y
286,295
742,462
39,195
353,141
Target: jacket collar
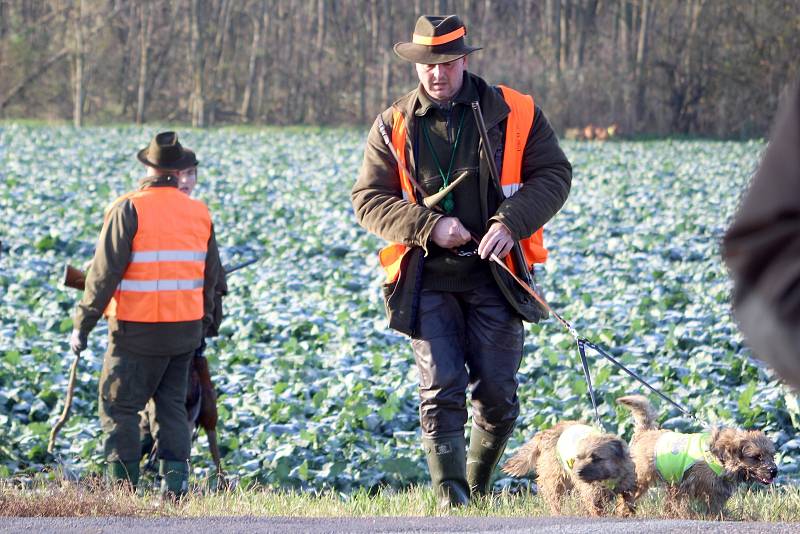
x,y
493,107
466,95
158,181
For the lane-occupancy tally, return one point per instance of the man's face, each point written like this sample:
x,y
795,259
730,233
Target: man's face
x,y
187,179
442,81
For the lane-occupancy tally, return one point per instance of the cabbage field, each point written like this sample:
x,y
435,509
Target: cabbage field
x,y
315,392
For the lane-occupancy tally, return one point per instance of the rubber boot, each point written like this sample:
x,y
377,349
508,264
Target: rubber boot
x,y
174,478
123,473
447,465
485,451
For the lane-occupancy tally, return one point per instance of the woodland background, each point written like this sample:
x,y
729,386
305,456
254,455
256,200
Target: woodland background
x,y
665,67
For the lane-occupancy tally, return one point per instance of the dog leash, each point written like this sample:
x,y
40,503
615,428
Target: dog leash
x,y
583,342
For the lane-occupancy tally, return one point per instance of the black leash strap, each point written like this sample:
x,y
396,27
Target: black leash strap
x,y
585,342
588,378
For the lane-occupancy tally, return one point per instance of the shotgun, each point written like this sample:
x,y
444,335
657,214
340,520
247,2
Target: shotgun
x,y
516,251
76,279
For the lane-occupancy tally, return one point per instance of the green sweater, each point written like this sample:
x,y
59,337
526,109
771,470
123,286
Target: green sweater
x,y
443,270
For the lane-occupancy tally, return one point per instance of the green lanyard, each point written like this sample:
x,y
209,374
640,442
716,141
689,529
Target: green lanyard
x,y
448,204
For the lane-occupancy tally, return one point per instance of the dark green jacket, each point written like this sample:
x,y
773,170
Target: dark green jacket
x,y
762,247
111,258
380,208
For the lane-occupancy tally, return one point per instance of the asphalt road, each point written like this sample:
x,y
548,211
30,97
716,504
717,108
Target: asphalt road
x,y
282,525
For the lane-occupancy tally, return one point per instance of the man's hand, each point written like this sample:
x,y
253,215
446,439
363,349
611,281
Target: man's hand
x,y
77,342
449,233
497,240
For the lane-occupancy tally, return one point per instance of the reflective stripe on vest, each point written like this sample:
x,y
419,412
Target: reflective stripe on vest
x,y
164,280
518,127
167,255
159,285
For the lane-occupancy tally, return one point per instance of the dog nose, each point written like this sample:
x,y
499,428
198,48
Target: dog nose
x,y
773,471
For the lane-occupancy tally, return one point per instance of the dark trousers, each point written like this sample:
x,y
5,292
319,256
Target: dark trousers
x,y
470,338
127,381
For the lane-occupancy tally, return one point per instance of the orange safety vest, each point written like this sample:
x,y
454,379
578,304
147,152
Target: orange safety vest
x,y
164,280
518,127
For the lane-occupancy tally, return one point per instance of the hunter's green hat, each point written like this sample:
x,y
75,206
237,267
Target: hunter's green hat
x,y
165,152
436,40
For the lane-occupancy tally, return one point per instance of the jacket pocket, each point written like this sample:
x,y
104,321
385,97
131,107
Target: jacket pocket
x,y
401,297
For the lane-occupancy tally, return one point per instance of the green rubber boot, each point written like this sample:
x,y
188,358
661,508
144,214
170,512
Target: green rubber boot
x,y
485,451
123,473
174,478
447,465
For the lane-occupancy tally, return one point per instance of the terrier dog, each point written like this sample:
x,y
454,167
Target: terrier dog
x,y
572,455
704,468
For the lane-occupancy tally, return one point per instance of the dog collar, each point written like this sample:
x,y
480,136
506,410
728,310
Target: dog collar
x,y
709,458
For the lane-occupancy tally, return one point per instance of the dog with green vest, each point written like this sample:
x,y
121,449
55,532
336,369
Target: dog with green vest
x,y
703,468
572,456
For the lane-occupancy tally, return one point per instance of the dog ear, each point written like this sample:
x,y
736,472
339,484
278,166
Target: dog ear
x,y
618,448
723,444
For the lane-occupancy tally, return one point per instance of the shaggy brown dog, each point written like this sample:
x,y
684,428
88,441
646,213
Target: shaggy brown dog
x,y
600,468
736,455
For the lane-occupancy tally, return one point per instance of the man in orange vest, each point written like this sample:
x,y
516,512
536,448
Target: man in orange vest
x,y
464,315
153,275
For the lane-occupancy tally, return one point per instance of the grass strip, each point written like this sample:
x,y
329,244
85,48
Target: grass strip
x,y
94,498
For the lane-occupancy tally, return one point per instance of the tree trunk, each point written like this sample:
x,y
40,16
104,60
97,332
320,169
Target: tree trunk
x,y
555,37
320,39
146,29
198,97
258,21
563,47
386,74
641,58
77,113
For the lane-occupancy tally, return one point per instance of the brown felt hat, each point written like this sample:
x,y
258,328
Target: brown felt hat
x,y
436,40
165,152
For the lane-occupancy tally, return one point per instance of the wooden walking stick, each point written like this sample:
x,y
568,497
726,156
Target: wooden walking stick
x,y
73,373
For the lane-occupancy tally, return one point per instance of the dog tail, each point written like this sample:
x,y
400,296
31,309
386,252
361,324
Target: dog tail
x,y
642,411
525,458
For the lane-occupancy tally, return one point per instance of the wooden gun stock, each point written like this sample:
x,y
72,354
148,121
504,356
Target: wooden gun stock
x,y
74,277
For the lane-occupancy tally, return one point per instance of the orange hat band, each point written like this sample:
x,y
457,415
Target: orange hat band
x,y
439,39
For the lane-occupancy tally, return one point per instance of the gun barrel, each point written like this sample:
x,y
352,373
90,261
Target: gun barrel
x,y
229,270
488,151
